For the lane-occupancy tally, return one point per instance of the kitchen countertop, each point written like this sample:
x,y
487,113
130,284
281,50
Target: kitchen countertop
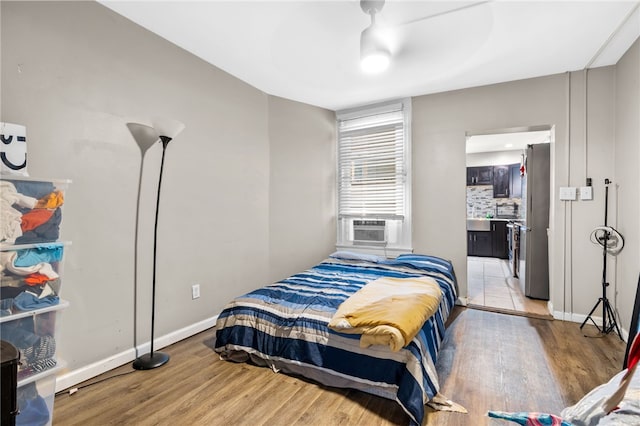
x,y
484,223
505,219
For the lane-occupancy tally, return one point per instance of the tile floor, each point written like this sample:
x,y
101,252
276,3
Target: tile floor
x,y
491,286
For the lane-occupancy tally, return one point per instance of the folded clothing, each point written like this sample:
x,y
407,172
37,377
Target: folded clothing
x,y
34,341
7,262
46,232
9,193
33,408
49,254
51,201
34,218
27,301
34,189
10,222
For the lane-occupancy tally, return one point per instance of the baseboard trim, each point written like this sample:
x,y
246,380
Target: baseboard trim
x,y
579,318
462,301
79,375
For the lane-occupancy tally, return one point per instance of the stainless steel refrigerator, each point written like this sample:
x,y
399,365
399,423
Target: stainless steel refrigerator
x,y
534,240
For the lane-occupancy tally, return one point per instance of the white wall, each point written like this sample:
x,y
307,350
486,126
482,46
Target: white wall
x,y
74,73
495,158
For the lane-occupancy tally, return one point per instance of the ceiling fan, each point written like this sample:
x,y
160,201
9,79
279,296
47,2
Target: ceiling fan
x,y
375,53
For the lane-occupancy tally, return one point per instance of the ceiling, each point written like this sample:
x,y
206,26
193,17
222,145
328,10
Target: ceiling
x,y
509,141
308,51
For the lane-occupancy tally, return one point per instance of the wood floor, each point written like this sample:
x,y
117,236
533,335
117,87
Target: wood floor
x,y
488,361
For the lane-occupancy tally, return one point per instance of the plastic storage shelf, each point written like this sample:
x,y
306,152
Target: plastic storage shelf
x,y
35,396
30,276
31,209
31,259
33,333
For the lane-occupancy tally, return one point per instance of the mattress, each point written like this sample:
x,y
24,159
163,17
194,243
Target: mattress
x,y
283,326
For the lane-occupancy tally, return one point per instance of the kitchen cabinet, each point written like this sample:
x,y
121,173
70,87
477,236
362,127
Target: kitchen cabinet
x,y
515,181
480,175
479,243
499,242
506,180
490,243
501,182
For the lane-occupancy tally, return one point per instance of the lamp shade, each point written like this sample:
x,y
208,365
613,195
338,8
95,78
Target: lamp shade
x,y
144,136
167,127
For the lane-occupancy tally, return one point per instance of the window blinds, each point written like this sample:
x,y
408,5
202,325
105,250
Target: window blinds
x,y
371,163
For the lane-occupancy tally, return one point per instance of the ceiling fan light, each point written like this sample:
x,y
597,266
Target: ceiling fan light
x,y
374,55
375,62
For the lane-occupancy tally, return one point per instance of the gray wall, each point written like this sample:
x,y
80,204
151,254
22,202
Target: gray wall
x,y
74,73
440,122
627,178
302,186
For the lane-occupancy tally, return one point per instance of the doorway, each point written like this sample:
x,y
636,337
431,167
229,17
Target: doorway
x,y
497,210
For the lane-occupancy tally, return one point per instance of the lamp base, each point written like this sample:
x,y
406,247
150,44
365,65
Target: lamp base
x,y
151,361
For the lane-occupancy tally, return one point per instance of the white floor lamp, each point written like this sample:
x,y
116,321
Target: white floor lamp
x,y
147,136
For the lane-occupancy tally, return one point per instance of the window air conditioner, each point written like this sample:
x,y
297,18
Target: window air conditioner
x,y
369,232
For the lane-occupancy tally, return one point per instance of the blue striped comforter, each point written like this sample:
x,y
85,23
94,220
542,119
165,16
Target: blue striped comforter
x,y
284,326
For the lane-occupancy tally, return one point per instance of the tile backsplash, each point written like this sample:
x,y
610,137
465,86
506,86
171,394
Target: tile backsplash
x,y
480,202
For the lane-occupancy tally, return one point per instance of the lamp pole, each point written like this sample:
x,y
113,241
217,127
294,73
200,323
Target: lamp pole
x,y
154,359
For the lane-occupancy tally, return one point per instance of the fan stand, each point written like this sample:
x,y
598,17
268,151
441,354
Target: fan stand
x,y
608,317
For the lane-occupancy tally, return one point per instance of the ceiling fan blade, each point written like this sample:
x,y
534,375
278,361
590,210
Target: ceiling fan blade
x,y
446,12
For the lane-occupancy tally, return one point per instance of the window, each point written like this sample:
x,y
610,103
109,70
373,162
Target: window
x,y
374,179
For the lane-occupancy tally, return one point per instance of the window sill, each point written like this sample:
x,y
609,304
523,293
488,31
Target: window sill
x,y
389,252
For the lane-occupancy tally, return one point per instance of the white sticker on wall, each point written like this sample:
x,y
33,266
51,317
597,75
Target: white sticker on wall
x,y
13,150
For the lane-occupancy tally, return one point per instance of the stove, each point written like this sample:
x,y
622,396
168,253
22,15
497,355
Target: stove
x,y
514,247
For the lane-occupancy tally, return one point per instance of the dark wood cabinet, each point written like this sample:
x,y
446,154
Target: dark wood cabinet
x,y
515,181
479,243
506,180
499,239
500,181
492,243
480,175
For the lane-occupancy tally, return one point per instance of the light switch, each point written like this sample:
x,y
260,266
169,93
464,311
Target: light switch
x,y
568,193
586,193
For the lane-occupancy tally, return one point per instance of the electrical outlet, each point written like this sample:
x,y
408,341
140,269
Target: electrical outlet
x,y
195,291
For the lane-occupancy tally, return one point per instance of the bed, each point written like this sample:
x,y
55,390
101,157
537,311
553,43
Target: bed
x,y
284,326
